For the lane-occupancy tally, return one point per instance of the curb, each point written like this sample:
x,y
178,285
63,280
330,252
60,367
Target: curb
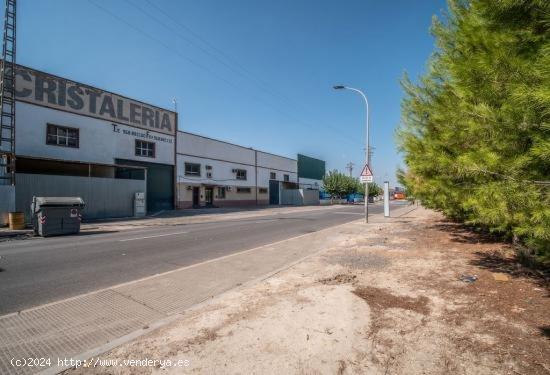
x,y
14,233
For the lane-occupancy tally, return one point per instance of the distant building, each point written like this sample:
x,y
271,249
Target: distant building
x,y
211,172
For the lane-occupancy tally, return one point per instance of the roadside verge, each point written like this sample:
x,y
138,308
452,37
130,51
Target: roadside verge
x,y
89,324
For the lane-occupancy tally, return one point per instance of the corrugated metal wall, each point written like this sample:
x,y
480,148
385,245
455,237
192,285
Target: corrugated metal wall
x,y
310,197
104,197
299,197
7,200
291,196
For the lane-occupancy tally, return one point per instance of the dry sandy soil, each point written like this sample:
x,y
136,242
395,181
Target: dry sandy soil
x,y
388,300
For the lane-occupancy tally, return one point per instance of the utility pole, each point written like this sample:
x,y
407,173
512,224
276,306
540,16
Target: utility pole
x,y
349,167
370,153
370,157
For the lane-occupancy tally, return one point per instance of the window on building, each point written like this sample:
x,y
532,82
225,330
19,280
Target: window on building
x,y
263,190
64,168
192,169
243,190
144,148
221,192
286,178
272,176
241,174
62,136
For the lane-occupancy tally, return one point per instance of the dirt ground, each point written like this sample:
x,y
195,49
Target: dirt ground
x,y
392,298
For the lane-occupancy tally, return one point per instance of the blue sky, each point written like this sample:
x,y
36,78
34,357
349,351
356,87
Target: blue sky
x,y
254,72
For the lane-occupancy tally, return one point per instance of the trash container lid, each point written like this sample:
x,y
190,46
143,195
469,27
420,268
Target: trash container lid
x,y
58,202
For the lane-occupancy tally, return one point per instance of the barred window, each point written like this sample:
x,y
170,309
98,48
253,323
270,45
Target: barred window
x,y
241,174
221,192
286,178
62,136
144,148
272,176
192,169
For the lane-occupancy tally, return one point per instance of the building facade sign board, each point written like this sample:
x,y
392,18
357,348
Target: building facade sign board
x,y
47,90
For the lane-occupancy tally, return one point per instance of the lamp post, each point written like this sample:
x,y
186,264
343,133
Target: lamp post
x,y
367,159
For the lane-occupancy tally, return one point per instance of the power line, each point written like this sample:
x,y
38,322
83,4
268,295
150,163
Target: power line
x,y
201,66
239,70
242,70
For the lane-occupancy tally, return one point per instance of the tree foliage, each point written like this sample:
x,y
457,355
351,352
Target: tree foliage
x,y
475,129
339,185
374,189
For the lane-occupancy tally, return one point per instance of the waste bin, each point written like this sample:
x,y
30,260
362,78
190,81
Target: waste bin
x,y
53,216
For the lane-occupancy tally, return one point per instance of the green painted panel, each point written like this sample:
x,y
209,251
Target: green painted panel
x,y
310,167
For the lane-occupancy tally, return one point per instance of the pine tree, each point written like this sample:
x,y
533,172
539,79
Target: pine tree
x,y
475,129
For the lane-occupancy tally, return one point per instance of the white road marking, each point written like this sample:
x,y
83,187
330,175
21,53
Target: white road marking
x,y
158,235
266,246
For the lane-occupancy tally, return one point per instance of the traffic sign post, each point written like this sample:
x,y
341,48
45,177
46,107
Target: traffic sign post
x,y
366,174
366,177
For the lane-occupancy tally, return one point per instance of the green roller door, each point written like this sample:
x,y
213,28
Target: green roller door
x,y
160,184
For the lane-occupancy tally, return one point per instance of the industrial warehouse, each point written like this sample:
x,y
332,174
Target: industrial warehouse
x,y
217,173
72,139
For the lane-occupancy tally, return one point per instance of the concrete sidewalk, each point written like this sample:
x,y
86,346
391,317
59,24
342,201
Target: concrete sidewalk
x,y
177,217
93,323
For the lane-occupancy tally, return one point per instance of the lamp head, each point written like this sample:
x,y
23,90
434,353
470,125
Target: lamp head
x,y
339,87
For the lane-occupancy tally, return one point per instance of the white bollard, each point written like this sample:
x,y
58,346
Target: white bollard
x,y
386,199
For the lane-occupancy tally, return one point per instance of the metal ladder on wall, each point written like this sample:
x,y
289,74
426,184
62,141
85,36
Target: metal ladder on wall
x,y
7,98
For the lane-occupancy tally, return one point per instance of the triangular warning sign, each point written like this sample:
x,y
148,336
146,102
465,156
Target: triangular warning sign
x,y
366,171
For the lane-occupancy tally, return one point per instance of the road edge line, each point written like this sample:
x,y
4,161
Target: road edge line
x,y
169,272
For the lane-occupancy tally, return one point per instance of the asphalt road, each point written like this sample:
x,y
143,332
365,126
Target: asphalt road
x,y
42,270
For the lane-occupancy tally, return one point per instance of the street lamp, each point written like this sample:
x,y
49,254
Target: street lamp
x,y
340,87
